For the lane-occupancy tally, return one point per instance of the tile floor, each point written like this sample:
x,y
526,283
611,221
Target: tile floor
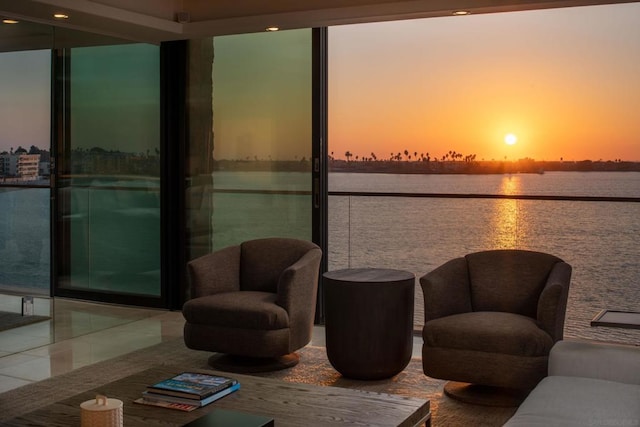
x,y
79,334
83,333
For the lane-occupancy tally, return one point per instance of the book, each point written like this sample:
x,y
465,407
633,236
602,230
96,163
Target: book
x,y
164,404
157,399
192,385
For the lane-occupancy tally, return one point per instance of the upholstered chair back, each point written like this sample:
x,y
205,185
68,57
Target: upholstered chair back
x,y
262,261
508,280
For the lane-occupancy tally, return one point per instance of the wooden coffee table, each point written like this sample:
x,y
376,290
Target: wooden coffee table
x,y
287,403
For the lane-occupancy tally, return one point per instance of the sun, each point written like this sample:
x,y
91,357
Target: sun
x,y
510,139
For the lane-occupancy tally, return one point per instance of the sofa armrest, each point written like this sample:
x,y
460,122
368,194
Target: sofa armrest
x,y
612,362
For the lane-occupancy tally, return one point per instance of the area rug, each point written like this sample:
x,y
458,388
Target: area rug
x,y
314,368
13,320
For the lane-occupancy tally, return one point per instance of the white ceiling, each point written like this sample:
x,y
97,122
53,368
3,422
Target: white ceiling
x,y
156,20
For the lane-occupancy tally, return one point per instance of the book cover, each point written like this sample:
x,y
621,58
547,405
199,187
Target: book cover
x,y
192,385
164,404
154,397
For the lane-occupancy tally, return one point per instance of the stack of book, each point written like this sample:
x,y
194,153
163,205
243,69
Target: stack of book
x,y
188,391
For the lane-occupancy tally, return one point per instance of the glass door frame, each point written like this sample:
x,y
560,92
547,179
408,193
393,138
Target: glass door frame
x,y
60,166
320,169
173,141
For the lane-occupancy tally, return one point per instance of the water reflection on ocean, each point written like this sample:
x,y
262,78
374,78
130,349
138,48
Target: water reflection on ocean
x,y
418,234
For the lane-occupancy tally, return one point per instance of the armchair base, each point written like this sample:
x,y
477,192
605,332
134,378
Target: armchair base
x,y
250,365
483,395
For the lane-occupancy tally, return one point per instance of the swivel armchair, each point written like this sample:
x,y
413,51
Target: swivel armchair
x,y
491,318
253,303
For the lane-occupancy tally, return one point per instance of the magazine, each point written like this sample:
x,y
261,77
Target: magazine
x,y
192,385
162,399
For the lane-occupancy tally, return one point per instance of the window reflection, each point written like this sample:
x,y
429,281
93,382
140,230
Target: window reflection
x,y
110,186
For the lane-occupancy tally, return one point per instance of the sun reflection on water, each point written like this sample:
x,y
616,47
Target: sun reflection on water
x,y
505,226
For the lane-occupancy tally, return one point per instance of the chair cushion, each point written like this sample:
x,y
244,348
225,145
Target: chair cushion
x,y
492,332
247,310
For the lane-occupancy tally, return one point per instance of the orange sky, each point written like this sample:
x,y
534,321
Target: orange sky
x,y
565,81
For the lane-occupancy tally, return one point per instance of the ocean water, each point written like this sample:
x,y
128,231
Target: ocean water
x,y
25,239
598,239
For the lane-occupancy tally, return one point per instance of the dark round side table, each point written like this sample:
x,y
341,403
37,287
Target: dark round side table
x,y
369,321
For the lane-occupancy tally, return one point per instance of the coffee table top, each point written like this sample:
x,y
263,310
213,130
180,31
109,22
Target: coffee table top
x,y
288,404
369,275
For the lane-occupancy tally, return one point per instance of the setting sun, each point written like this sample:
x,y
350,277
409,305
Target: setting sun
x,y
510,139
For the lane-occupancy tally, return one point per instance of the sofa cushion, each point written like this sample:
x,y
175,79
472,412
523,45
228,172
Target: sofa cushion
x,y
492,332
595,359
249,310
578,402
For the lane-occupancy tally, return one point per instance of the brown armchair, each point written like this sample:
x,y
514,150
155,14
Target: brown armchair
x,y
491,317
254,302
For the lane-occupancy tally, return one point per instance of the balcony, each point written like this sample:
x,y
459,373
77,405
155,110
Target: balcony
x,y
420,231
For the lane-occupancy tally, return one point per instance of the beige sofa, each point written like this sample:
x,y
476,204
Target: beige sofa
x,y
589,384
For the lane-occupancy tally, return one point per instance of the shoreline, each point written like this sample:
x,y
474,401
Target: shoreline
x,y
481,167
450,167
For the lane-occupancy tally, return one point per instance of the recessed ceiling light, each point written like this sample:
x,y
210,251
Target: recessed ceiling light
x,y
461,12
60,16
272,28
9,21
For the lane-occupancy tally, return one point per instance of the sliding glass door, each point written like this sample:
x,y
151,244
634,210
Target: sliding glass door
x,y
108,186
250,160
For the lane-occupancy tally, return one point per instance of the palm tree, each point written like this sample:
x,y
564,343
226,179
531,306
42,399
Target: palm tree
x,y
348,155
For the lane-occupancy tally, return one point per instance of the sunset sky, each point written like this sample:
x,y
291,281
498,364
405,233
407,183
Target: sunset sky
x,y
26,99
564,81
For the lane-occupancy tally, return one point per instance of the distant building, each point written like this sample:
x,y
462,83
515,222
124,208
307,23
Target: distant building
x,y
20,165
44,168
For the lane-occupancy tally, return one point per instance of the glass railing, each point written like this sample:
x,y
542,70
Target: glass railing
x,y
419,232
112,236
25,240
